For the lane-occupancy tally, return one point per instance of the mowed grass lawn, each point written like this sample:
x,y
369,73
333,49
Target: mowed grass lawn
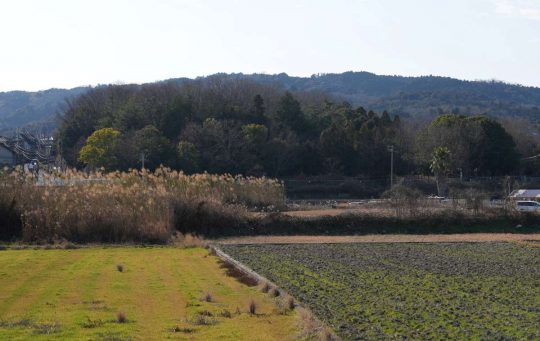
x,y
77,294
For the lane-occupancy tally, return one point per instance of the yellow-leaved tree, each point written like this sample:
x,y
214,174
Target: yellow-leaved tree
x,y
99,148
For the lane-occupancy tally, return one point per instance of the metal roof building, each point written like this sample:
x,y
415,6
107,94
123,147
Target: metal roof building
x,y
525,194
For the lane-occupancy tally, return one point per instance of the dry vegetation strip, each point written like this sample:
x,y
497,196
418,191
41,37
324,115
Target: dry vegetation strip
x,y
130,206
389,238
160,293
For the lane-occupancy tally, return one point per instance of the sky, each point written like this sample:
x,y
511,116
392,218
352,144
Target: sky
x,y
69,43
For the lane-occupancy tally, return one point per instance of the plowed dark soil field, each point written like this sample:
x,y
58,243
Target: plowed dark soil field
x,y
408,290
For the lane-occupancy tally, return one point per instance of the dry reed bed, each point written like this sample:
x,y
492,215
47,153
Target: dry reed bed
x,y
127,206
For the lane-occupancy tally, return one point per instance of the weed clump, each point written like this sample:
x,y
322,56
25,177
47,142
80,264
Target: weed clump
x,y
252,307
208,297
186,240
89,323
274,292
184,330
201,320
290,303
265,288
121,317
47,328
205,313
225,313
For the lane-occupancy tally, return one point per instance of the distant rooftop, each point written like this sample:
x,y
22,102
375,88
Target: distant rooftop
x,y
525,193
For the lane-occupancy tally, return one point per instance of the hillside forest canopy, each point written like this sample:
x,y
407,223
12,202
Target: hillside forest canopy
x,y
240,126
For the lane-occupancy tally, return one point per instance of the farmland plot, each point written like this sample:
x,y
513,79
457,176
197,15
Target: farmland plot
x,y
131,293
405,290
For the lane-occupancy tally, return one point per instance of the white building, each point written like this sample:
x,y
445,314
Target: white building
x,y
525,194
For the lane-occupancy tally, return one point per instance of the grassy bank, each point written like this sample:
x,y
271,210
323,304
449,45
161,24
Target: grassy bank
x,y
131,293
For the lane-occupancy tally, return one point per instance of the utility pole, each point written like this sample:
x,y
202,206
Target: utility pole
x,y
391,150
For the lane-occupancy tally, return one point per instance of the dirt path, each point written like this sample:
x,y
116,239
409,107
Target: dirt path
x,y
390,238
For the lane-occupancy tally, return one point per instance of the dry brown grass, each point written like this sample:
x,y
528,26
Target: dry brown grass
x,y
232,271
291,304
186,240
121,317
274,292
265,288
313,328
252,307
135,206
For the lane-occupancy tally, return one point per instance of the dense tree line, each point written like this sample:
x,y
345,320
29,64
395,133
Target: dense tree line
x,y
223,125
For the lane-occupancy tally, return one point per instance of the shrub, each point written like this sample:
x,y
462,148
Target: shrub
x,y
120,267
403,199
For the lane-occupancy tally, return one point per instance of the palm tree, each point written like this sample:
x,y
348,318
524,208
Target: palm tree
x,y
440,166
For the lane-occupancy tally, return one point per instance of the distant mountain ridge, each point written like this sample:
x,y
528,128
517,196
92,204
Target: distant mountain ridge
x,y
33,109
420,97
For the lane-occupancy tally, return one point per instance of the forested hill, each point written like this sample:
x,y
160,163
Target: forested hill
x,y
33,109
420,97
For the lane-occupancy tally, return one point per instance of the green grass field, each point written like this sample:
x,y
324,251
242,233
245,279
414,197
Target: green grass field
x,y
77,294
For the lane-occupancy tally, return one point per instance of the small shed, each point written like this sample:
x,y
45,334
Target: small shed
x,y
525,194
7,157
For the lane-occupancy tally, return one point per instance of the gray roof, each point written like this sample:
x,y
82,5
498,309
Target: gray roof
x,y
525,193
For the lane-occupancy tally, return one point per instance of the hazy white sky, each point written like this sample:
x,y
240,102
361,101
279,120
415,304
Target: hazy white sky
x,y
67,43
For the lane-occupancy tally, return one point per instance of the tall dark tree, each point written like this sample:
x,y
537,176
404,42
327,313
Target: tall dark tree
x,y
258,110
290,113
